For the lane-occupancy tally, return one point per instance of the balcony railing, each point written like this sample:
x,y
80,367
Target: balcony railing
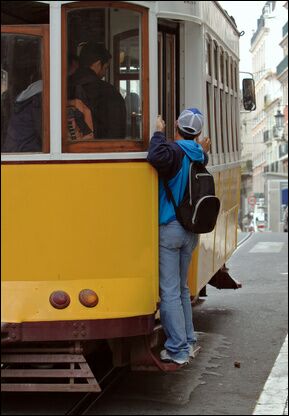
x,y
285,29
282,66
283,149
275,131
247,168
271,167
260,24
266,136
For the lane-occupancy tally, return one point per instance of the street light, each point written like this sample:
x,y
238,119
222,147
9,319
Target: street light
x,y
279,120
279,117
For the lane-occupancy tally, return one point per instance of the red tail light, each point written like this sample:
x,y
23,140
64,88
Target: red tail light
x,y
88,298
59,299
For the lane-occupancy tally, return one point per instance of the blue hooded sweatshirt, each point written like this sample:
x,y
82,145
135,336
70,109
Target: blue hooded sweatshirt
x,y
172,161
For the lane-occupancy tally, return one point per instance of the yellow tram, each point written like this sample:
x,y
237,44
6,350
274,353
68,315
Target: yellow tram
x,y
80,216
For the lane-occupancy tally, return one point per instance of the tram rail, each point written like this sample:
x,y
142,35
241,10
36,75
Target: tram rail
x,y
89,399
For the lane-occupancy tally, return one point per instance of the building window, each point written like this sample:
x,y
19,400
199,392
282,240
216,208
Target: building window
x,y
105,93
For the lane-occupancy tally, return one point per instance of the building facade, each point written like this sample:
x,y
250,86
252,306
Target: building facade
x,y
270,121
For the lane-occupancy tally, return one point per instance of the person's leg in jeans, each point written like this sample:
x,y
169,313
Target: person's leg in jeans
x,y
185,259
172,239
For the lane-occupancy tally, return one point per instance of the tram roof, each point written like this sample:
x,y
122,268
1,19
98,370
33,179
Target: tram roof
x,y
27,12
209,13
36,8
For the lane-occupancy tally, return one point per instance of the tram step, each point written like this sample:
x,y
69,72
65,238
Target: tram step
x,y
25,372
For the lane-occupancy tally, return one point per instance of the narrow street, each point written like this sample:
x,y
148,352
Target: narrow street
x,y
247,327
241,333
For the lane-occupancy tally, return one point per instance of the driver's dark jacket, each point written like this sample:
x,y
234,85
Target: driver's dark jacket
x,y
103,99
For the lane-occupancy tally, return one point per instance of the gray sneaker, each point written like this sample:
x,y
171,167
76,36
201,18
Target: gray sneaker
x,y
194,350
165,356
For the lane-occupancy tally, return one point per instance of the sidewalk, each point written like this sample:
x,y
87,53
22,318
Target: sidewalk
x,y
274,397
242,236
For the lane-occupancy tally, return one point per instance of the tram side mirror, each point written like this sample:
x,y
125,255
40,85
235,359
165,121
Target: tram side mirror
x,y
249,98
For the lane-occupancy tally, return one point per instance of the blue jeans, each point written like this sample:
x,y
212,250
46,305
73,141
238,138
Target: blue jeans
x,y
175,251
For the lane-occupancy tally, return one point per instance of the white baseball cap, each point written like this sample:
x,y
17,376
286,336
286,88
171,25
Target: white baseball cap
x,y
191,121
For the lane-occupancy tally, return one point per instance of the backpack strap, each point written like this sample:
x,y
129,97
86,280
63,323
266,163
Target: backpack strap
x,y
170,194
168,190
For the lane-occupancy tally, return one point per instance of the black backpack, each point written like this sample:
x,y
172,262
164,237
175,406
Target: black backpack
x,y
199,208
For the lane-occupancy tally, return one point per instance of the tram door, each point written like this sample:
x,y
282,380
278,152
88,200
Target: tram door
x,y
168,74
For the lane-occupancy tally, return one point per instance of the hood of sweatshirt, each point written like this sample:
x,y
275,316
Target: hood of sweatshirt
x,y
31,90
193,150
26,97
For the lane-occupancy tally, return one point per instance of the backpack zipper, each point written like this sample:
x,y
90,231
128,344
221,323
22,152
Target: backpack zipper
x,y
197,205
202,174
190,180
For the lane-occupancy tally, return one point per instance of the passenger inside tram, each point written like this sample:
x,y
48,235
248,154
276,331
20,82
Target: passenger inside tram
x,y
21,93
73,63
24,132
102,99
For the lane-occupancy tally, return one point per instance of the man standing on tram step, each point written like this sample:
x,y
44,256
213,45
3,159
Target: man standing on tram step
x,y
103,99
176,245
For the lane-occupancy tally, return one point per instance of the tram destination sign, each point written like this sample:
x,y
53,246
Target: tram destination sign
x,y
183,9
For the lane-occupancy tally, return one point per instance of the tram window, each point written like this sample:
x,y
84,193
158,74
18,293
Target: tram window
x,y
232,124
228,122
170,84
235,77
216,67
160,72
168,67
208,96
126,78
222,120
208,58
21,93
232,77
222,67
216,117
236,130
109,46
227,71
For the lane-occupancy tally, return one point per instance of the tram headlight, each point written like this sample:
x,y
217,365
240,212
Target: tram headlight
x,y
88,298
59,299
